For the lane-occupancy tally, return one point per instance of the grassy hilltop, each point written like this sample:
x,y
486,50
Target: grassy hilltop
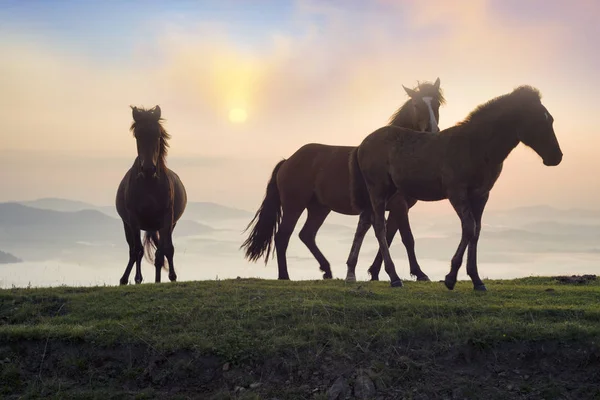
x,y
256,339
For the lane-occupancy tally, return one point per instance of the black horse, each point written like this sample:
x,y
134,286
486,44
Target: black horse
x,y
150,197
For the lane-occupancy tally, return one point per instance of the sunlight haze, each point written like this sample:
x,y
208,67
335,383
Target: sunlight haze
x,y
311,71
243,85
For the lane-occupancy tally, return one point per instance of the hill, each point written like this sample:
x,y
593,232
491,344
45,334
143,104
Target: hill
x,y
532,338
35,228
58,204
7,258
199,211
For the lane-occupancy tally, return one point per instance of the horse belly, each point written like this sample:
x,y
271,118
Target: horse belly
x,y
151,225
332,187
425,190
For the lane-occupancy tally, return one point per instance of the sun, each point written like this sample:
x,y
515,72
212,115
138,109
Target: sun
x,y
237,115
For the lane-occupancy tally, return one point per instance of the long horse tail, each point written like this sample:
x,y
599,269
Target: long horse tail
x,y
150,242
265,222
358,188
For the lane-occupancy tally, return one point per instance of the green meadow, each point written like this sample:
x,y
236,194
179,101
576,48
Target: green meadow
x,y
264,339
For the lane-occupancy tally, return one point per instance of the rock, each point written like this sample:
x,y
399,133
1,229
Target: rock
x,y
255,385
338,390
364,387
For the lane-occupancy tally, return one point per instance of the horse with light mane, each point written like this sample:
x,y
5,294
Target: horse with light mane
x,y
316,178
150,197
460,164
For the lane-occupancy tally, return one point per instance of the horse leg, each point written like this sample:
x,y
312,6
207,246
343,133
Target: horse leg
x,y
317,213
364,223
168,250
398,220
140,254
477,205
159,258
401,215
378,204
390,227
282,239
133,254
460,203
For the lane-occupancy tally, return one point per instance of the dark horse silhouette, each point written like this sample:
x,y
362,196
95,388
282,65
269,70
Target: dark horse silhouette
x,y
461,164
150,197
316,178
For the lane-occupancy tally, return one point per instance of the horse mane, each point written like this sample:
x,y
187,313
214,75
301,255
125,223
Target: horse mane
x,y
426,89
522,94
148,119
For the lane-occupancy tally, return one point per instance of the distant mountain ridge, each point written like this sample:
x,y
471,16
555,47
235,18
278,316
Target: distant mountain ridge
x,y
29,226
207,211
75,231
7,258
58,204
199,210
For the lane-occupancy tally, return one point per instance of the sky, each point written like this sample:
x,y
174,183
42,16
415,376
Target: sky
x,y
296,71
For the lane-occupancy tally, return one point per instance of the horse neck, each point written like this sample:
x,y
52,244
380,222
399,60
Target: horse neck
x,y
404,118
495,141
162,157
162,164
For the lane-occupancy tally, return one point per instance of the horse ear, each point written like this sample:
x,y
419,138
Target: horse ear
x,y
410,92
437,84
136,113
156,112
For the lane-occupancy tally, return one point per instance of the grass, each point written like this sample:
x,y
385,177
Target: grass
x,y
250,338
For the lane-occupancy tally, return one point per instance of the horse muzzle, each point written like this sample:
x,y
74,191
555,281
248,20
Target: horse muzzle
x,y
553,161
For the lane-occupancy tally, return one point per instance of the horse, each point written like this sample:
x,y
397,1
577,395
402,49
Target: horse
x,y
316,178
150,197
460,164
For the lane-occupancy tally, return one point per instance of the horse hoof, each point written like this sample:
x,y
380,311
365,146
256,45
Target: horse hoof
x,y
173,278
351,278
397,283
284,278
375,278
327,275
123,282
450,283
423,278
480,288
138,281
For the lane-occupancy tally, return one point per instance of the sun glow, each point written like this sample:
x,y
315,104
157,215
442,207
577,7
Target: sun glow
x,y
237,115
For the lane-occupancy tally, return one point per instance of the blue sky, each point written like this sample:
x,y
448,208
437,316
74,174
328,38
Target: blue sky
x,y
113,27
